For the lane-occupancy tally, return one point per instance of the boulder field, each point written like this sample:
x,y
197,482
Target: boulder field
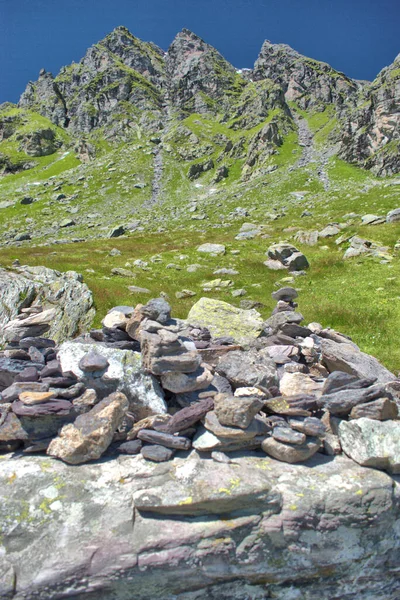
x,y
190,459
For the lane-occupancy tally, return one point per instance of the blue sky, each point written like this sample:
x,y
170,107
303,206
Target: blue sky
x,y
358,37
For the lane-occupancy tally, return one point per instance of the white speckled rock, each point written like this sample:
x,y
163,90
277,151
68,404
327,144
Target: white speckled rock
x,y
124,374
372,443
250,529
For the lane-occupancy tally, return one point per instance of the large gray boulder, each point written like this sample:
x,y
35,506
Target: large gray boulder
x,y
223,319
124,374
69,302
192,528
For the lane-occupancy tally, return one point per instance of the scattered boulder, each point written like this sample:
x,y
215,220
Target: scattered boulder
x,y
224,319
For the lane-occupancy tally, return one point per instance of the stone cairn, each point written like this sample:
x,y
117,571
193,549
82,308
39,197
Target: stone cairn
x,y
281,395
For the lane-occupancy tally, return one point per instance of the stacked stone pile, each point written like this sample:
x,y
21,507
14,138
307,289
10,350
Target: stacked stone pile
x,y
291,392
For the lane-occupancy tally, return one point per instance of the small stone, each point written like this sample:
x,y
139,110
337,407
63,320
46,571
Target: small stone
x,y
133,447
164,439
92,362
180,383
215,249
32,398
287,294
288,436
291,453
157,453
234,411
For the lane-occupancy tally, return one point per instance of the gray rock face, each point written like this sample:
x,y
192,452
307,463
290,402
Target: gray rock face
x,y
372,443
104,536
248,369
68,300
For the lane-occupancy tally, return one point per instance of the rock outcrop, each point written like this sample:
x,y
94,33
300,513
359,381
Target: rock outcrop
x,y
40,301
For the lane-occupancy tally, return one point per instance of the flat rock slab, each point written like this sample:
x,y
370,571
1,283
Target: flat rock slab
x,y
223,319
341,518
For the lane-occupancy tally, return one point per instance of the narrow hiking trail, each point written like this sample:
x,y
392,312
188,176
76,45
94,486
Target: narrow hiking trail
x,y
310,154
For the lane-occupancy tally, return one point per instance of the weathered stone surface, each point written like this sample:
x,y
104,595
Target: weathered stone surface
x,y
308,425
31,398
382,409
11,369
291,453
51,407
124,374
158,310
248,369
288,436
340,403
157,453
223,319
255,428
91,433
288,294
112,546
93,361
10,428
164,439
206,441
180,383
13,391
185,418
215,249
347,358
292,384
372,443
234,411
71,302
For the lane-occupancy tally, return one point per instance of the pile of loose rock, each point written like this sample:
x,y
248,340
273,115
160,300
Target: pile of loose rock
x,y
290,392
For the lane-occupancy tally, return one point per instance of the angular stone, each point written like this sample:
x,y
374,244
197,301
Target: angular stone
x,y
340,403
288,294
291,453
84,403
345,357
158,310
115,319
133,447
206,441
213,354
189,416
248,369
13,391
276,322
157,422
382,409
92,361
69,393
308,425
157,453
286,406
293,384
372,443
180,383
11,429
164,439
37,342
233,411
29,374
52,369
297,262
91,433
288,436
32,398
223,319
51,407
393,216
10,369
256,427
